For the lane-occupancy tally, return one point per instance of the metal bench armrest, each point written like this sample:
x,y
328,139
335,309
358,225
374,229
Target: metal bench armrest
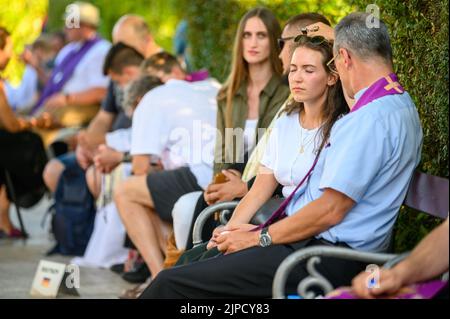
x,y
313,254
205,214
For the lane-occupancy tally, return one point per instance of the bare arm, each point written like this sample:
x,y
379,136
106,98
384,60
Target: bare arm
x,y
7,118
316,217
141,164
261,191
89,97
99,126
86,98
429,259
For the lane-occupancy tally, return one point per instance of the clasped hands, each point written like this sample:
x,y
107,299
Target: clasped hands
x,y
232,238
105,158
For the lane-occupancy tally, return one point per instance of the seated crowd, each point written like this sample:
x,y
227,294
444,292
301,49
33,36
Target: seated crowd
x,y
311,132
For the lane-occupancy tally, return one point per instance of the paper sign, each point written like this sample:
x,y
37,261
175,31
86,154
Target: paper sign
x,y
50,280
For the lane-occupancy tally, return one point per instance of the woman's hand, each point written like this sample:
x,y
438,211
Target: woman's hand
x,y
237,237
212,242
233,188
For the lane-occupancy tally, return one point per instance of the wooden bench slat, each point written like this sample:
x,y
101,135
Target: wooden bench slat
x,y
429,194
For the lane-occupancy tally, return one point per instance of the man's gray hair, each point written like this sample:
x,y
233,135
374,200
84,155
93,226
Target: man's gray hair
x,y
137,89
364,35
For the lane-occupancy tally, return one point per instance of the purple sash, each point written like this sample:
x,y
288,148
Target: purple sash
x,y
63,72
424,290
199,75
387,85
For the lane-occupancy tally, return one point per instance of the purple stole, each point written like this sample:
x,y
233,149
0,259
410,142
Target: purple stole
x,y
196,76
387,85
63,72
423,290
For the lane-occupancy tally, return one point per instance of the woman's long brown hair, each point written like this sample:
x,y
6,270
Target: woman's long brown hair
x,y
239,67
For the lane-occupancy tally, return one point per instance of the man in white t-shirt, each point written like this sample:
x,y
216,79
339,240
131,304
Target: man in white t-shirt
x,y
174,125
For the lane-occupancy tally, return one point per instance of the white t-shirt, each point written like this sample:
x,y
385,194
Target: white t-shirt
x,y
88,73
283,154
120,139
177,122
25,94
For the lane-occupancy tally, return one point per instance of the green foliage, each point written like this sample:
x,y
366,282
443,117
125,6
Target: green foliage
x,y
213,24
419,34
161,15
23,19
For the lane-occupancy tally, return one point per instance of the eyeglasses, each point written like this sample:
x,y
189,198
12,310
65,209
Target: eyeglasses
x,y
331,65
282,42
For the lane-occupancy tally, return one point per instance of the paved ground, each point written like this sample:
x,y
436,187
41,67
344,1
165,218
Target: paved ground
x,y
19,260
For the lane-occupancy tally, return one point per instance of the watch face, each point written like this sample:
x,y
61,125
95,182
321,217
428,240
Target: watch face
x,y
265,240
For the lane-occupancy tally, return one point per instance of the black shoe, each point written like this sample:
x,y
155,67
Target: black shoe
x,y
138,275
117,268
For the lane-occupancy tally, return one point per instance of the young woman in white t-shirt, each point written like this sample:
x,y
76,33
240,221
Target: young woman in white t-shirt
x,y
299,134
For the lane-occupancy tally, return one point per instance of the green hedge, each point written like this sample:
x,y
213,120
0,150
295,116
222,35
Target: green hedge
x,y
419,34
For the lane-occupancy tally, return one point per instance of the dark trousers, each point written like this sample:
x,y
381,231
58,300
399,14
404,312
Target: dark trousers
x,y
23,155
247,273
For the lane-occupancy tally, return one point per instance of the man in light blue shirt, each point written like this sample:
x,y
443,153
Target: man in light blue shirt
x,y
353,195
371,157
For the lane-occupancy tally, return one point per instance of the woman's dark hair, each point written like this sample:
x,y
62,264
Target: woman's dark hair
x,y
335,104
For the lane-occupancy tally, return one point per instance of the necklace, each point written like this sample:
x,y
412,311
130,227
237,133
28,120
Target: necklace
x,y
304,141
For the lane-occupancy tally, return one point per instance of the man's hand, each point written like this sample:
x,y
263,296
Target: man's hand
x,y
107,159
56,101
85,150
84,157
320,28
233,188
238,238
389,283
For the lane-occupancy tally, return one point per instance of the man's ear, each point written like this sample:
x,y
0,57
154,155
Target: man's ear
x,y
347,58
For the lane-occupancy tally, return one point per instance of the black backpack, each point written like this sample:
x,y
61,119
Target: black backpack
x,y
73,213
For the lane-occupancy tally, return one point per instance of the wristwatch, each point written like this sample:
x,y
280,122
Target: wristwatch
x,y
127,158
264,237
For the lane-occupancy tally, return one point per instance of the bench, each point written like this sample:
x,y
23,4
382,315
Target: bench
x,y
426,193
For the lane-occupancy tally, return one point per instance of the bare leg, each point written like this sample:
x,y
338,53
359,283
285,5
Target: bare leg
x,y
93,179
52,173
135,205
5,222
162,229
